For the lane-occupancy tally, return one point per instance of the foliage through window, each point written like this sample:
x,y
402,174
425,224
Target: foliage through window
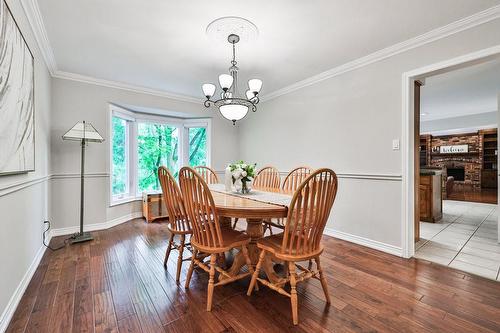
x,y
157,145
197,146
119,167
141,143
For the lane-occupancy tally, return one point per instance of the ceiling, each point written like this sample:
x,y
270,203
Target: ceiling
x,y
162,45
467,91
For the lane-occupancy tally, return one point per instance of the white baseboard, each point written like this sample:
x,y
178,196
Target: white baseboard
x,y
95,226
19,292
391,249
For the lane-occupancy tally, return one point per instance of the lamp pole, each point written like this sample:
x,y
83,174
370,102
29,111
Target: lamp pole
x,y
82,236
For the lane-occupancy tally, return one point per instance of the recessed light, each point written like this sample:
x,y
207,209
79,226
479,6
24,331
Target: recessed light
x,y
423,114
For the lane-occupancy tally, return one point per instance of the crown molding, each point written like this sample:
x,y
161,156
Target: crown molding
x,y
123,86
32,12
34,16
428,37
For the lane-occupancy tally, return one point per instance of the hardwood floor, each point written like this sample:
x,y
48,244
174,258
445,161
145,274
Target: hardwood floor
x,y
117,283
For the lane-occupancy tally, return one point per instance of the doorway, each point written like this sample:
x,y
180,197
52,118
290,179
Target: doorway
x,y
413,155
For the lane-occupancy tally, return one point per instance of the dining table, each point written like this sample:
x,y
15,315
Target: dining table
x,y
256,207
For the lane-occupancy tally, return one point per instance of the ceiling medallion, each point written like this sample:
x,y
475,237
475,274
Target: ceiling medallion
x,y
232,105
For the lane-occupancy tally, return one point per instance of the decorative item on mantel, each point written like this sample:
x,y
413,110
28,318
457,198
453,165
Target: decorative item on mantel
x,y
242,175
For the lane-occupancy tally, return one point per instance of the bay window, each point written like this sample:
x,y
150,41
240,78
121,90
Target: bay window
x,y
141,143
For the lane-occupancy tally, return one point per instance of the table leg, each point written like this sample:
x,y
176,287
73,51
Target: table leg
x,y
255,231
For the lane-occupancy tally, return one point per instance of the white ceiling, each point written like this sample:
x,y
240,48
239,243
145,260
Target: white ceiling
x,y
162,44
467,91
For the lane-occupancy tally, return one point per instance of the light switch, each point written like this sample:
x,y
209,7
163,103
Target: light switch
x,y
395,144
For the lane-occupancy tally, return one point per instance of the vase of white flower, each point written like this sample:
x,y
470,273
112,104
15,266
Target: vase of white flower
x,y
242,176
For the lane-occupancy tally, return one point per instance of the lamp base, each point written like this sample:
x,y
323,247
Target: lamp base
x,y
81,237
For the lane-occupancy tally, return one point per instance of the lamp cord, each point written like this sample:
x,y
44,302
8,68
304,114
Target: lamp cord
x,y
48,245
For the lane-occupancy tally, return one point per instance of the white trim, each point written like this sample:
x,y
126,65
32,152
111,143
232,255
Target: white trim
x,y
11,306
13,303
32,12
125,86
11,188
95,226
428,37
77,175
407,190
387,248
125,200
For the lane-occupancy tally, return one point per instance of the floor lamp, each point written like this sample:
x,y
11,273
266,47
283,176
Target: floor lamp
x,y
83,132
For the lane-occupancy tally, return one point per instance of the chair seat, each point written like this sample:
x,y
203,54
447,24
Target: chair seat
x,y
273,243
230,239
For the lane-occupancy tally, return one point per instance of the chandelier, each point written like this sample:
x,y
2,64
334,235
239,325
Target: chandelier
x,y
232,105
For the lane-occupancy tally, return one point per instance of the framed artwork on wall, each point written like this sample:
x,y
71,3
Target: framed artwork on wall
x,y
17,105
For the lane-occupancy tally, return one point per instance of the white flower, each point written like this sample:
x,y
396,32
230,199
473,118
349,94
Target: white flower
x,y
244,174
243,166
237,173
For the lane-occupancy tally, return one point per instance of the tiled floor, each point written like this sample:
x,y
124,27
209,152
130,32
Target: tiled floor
x,y
465,239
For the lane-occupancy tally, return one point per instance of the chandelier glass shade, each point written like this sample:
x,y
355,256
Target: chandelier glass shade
x,y
231,104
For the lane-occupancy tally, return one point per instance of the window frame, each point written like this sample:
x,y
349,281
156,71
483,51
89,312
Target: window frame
x,y
132,121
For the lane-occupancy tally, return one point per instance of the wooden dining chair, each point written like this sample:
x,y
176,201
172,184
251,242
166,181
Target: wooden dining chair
x,y
209,175
301,240
267,178
178,221
208,236
291,183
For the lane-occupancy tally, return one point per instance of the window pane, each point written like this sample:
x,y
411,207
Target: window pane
x,y
119,177
157,145
197,146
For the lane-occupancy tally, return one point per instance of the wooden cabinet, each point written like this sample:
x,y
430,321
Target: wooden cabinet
x,y
431,208
489,140
489,179
153,206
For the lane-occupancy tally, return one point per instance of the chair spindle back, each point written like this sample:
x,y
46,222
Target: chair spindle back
x,y
172,196
295,178
201,208
267,177
209,175
308,213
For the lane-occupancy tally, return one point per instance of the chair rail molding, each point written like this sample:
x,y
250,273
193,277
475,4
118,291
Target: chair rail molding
x,y
407,144
366,176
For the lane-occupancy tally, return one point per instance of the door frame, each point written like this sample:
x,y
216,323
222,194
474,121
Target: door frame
x,y
408,137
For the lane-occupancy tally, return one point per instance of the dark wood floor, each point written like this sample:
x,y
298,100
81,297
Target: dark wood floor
x,y
484,195
117,283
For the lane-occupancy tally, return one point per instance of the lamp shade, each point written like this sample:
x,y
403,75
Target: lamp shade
x,y
233,112
83,131
255,85
208,89
249,94
225,81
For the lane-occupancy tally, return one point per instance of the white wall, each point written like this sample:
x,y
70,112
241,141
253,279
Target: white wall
x,y
348,123
75,101
24,197
483,120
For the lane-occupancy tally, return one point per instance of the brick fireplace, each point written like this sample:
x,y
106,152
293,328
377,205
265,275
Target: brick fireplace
x,y
465,167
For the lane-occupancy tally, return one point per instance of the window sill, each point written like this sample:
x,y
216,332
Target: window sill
x,y
122,201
